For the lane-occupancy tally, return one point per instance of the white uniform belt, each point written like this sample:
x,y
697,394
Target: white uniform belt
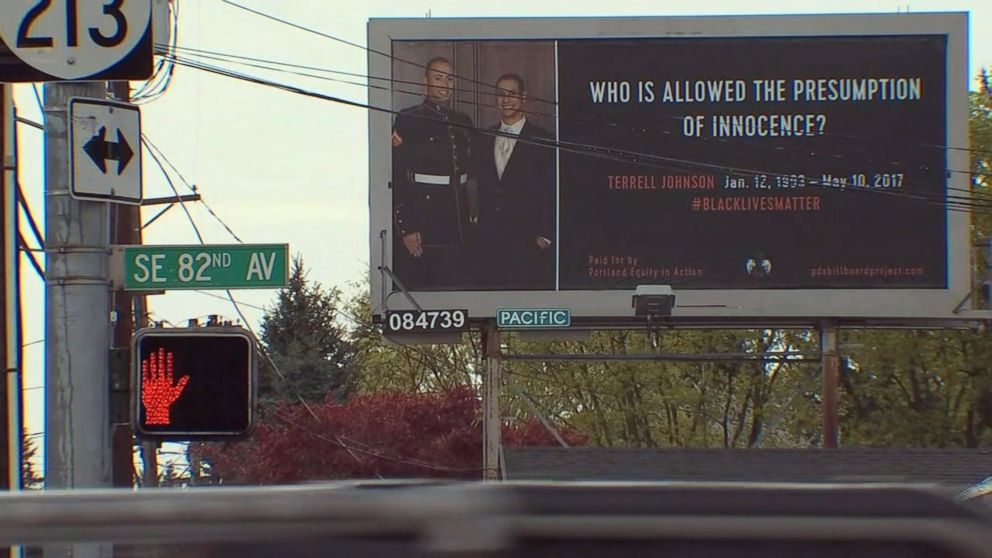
x,y
438,178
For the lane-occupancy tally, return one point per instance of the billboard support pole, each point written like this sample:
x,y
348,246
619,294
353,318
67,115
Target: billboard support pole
x,y
492,443
830,363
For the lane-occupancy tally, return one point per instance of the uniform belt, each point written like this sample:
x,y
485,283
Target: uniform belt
x,y
439,178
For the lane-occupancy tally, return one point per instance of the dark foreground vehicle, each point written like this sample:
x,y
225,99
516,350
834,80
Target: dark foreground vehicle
x,y
504,519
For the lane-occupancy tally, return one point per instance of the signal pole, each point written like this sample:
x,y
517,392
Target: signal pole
x,y
126,229
77,311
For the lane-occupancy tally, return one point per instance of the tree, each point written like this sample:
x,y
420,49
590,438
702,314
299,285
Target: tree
x,y
930,388
385,435
385,366
302,337
30,477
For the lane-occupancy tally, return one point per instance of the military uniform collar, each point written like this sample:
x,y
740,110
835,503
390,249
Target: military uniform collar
x,y
430,105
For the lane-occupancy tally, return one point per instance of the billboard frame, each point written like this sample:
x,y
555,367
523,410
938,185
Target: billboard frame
x,y
694,307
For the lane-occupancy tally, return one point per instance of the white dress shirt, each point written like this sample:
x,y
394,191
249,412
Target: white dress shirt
x,y
504,144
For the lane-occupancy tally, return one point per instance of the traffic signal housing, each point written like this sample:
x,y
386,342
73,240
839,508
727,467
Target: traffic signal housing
x,y
193,383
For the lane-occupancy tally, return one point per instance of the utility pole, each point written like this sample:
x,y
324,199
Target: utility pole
x,y
492,381
10,342
77,311
125,229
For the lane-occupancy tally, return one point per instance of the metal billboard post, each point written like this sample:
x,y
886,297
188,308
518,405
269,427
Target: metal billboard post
x,y
492,381
830,363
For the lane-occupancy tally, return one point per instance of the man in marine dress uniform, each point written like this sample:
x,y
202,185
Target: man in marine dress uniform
x,y
517,189
432,150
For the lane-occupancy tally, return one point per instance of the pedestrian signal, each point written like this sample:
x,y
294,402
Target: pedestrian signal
x,y
193,383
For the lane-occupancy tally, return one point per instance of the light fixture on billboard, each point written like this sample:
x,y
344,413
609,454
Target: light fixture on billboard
x,y
653,300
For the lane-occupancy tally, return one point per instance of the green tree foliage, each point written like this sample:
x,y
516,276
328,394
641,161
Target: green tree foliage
x,y
980,136
303,338
917,388
930,388
980,132
630,403
674,403
385,366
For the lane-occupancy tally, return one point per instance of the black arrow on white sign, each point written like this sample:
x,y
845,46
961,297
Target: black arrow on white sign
x,y
101,150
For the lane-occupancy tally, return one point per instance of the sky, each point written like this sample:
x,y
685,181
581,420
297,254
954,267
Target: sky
x,y
282,168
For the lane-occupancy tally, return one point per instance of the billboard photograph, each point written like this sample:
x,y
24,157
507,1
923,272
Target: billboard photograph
x,y
474,165
781,166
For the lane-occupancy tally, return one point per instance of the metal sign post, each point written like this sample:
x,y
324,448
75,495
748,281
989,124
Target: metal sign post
x,y
77,329
492,381
830,363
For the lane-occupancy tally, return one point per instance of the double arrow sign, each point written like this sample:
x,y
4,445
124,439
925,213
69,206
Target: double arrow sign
x,y
100,150
104,132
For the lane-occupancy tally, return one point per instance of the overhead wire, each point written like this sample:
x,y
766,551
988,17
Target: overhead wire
x,y
230,296
237,306
241,302
27,252
972,197
172,186
950,201
393,57
276,66
354,44
369,85
159,82
22,202
192,188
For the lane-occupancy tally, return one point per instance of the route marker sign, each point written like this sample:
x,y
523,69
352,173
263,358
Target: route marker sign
x,y
533,318
104,150
91,40
219,266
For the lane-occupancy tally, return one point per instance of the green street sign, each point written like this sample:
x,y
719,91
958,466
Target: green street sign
x,y
225,266
533,318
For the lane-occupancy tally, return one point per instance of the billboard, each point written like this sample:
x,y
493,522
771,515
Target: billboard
x,y
763,167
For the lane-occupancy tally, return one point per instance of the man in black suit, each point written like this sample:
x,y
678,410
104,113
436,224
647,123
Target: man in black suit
x,y
516,207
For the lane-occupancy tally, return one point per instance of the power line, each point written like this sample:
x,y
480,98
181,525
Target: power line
x,y
168,179
22,244
161,79
238,59
23,203
191,187
644,159
274,66
275,368
950,202
211,295
354,44
393,57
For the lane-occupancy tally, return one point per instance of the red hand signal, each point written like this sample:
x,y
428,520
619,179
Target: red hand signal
x,y
157,390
